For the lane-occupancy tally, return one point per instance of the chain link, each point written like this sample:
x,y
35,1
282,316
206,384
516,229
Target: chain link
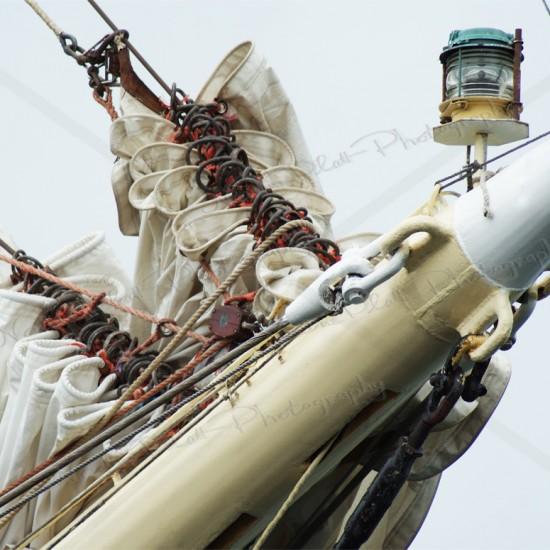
x,y
100,61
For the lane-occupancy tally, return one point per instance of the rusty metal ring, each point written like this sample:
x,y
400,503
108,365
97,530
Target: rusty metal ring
x,y
163,330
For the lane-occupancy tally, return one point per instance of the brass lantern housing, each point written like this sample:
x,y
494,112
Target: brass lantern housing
x,y
481,88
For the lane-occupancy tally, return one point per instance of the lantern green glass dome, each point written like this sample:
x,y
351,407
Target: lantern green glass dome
x,y
481,88
479,62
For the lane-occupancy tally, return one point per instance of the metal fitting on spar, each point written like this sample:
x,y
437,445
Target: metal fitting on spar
x,y
512,247
356,289
357,275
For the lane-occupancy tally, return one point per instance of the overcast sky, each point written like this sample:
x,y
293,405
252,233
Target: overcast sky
x,y
355,70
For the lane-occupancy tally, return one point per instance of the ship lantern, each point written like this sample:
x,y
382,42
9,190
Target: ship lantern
x,y
481,88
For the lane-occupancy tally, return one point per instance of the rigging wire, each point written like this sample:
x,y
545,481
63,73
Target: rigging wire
x,y
16,489
470,169
58,31
131,47
293,495
7,247
271,350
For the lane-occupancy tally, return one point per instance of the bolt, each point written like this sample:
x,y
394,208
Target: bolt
x,y
355,296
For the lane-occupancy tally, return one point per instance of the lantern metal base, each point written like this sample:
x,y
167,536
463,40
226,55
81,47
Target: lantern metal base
x,y
464,132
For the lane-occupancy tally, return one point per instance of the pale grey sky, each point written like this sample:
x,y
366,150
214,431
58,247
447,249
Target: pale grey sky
x,y
357,71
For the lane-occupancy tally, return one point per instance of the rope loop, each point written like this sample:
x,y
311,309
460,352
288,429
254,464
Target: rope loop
x,y
106,103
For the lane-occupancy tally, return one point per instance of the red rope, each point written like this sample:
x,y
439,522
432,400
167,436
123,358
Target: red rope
x,y
65,315
169,324
174,377
106,103
37,469
155,337
93,296
247,297
212,276
109,367
228,299
198,337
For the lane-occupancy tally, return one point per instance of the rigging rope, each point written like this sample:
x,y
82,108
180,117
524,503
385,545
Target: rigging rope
x,y
45,17
106,103
244,264
43,274
289,501
47,473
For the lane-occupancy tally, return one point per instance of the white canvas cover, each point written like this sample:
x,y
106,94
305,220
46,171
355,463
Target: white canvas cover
x,y
178,227
43,378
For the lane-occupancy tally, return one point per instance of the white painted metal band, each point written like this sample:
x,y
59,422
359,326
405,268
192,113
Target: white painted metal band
x,y
512,246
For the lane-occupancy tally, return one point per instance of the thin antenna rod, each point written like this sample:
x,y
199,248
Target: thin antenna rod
x,y
141,59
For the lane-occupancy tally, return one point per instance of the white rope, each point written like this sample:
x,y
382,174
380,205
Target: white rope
x,y
485,194
293,494
45,17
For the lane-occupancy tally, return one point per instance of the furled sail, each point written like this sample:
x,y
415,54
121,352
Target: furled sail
x,y
60,375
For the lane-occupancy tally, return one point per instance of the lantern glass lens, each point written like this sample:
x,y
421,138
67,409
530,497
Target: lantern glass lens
x,y
477,72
